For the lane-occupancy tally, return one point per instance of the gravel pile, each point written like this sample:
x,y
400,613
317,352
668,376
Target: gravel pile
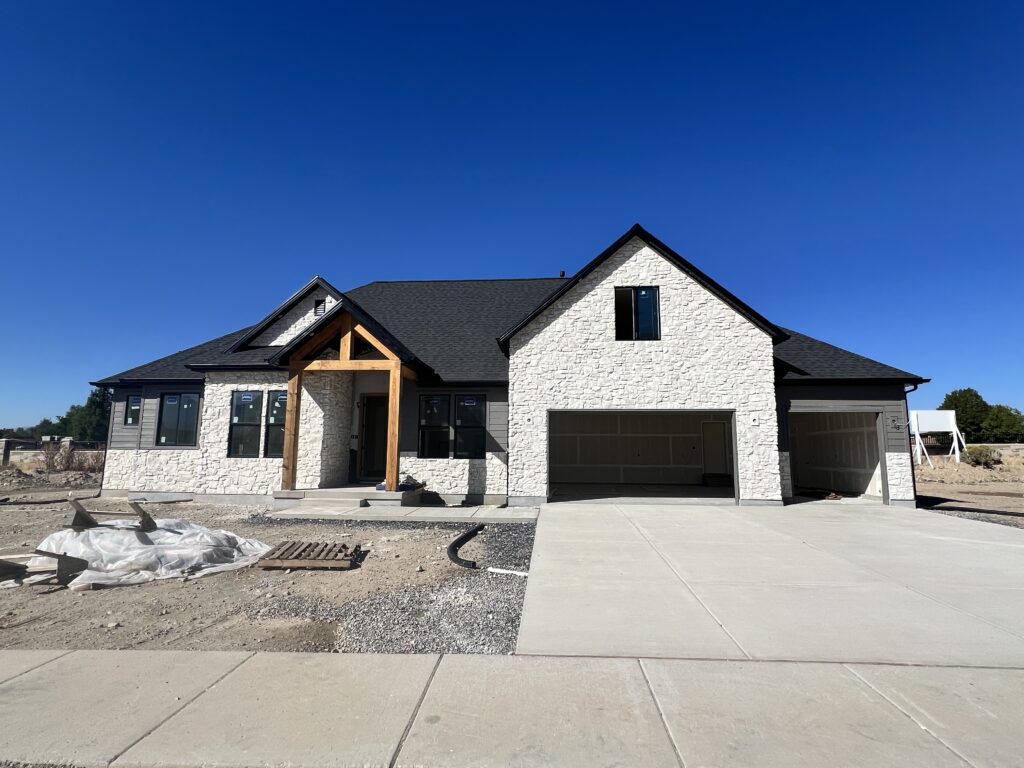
x,y
15,478
472,611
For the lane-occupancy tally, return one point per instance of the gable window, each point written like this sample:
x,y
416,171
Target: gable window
x,y
319,307
275,424
133,410
179,417
470,420
637,314
244,433
434,440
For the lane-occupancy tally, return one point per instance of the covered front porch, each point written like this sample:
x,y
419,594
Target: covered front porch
x,y
342,344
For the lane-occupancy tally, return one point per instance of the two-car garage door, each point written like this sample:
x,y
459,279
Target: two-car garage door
x,y
639,453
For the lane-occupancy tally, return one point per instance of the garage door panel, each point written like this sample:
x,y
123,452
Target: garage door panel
x,y
564,450
836,451
686,451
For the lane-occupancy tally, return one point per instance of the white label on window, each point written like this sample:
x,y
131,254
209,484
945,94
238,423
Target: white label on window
x,y
234,419
283,397
172,400
469,402
247,397
163,439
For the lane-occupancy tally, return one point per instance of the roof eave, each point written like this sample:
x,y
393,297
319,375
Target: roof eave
x,y
908,379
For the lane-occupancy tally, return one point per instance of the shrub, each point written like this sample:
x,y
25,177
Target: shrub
x,y
981,456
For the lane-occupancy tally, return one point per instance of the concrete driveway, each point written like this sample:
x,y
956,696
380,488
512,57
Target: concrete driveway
x,y
808,582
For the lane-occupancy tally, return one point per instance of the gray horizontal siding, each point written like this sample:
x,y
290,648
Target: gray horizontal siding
x,y
888,400
497,414
122,437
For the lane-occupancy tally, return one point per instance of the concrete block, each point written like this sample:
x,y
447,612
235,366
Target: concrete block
x,y
296,709
99,703
756,715
503,711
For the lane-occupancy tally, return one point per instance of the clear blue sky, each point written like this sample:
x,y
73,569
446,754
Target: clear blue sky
x,y
171,171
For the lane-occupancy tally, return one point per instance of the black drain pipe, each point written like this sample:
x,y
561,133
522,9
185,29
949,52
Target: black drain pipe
x,y
453,548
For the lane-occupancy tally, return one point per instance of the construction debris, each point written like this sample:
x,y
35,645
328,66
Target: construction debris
x,y
89,553
313,555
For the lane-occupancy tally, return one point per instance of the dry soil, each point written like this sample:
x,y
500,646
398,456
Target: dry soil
x,y
406,597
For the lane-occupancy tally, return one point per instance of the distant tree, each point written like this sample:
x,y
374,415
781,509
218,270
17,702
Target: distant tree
x,y
88,421
48,427
1002,424
971,410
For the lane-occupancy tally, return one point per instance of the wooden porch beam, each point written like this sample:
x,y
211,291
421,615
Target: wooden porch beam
x,y
394,401
374,341
346,337
350,365
291,430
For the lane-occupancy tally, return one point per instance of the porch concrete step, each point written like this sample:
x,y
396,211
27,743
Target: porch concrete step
x,y
354,496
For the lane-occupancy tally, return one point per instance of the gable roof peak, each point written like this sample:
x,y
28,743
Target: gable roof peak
x,y
756,318
314,283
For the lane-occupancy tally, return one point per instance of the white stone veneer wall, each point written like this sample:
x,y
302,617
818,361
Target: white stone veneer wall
x,y
294,321
488,475
900,475
324,423
709,357
786,475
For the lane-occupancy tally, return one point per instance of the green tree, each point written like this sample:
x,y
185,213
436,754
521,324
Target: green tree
x,y
971,410
88,421
48,427
1002,424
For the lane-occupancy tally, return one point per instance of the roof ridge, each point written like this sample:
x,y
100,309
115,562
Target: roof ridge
x,y
461,280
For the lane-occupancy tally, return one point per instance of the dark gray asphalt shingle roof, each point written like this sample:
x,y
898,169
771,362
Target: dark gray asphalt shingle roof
x,y
452,326
175,367
804,359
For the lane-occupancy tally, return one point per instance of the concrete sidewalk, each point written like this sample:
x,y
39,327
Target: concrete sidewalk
x,y
183,709
313,509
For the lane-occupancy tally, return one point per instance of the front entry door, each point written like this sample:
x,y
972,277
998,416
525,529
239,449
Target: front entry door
x,y
373,438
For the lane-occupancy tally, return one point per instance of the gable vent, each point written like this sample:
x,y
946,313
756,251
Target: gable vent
x,y
319,307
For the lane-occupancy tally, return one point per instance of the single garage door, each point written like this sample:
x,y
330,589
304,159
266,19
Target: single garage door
x,y
595,453
835,452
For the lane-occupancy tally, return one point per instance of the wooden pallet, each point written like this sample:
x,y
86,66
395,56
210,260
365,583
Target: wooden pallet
x,y
312,554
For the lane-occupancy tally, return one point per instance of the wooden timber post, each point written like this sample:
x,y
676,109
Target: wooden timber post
x,y
289,465
394,400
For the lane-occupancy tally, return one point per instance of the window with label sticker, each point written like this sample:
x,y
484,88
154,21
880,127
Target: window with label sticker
x,y
274,444
179,419
246,417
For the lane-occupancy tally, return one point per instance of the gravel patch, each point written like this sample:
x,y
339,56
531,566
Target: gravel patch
x,y
470,611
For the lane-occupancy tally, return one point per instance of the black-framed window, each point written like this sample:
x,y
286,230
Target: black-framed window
x,y
435,423
470,423
319,307
179,419
133,410
246,417
274,443
637,314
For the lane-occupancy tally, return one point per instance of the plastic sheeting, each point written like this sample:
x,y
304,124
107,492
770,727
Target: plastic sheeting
x,y
118,553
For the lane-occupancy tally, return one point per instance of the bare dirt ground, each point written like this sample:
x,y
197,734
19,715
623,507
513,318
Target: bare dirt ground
x,y
406,597
993,495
